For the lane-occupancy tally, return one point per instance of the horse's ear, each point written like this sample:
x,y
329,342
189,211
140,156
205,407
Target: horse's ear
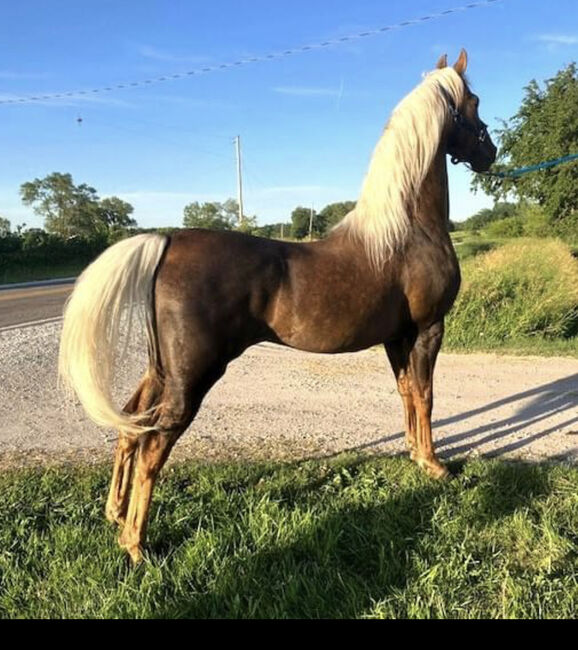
x,y
443,61
462,63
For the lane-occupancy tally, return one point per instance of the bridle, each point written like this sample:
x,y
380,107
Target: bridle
x,y
481,132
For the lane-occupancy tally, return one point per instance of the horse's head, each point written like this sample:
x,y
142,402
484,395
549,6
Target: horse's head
x,y
468,139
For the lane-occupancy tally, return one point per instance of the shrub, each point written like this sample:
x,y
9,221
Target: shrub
x,y
510,227
472,248
527,288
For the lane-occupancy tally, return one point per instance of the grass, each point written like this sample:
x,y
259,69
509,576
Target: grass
x,y
522,296
519,346
346,538
33,273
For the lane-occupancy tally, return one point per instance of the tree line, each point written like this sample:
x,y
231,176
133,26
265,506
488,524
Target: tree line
x,y
72,211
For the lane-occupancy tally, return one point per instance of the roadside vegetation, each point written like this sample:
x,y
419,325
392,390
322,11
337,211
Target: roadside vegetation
x,y
341,538
521,296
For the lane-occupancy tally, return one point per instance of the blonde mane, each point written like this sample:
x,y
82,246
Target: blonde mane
x,y
401,160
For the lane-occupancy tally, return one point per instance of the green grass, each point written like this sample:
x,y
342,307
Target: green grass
x,y
351,537
33,273
521,346
471,248
521,297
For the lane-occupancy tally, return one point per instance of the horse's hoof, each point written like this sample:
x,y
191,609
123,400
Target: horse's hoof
x,y
434,468
114,517
136,554
134,551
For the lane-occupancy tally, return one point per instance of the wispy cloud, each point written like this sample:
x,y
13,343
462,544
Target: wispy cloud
x,y
192,102
308,91
151,195
16,76
291,189
73,101
558,39
156,54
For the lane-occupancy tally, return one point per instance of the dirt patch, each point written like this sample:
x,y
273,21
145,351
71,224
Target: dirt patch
x,y
276,403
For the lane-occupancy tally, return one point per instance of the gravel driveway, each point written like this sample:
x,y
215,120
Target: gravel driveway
x,y
276,403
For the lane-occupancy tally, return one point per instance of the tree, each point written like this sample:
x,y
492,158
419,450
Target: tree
x,y
248,225
115,213
211,215
67,209
482,218
74,210
274,230
544,128
4,227
300,219
334,212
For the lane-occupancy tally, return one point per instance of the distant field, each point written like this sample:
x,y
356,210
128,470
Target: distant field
x,y
346,538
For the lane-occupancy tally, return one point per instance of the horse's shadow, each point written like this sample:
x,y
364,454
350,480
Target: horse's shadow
x,y
560,396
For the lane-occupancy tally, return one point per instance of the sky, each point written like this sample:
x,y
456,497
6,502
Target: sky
x,y
308,123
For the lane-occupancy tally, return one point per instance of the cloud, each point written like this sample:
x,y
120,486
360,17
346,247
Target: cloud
x,y
291,189
154,53
558,39
192,102
11,75
69,101
148,195
308,91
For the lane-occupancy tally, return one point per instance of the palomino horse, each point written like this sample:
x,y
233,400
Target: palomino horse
x,y
387,274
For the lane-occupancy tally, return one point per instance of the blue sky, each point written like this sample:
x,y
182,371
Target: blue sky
x,y
308,123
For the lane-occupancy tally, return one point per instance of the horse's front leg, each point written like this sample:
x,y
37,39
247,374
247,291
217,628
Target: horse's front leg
x,y
398,354
416,368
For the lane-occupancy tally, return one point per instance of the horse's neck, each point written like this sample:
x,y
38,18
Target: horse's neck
x,y
432,206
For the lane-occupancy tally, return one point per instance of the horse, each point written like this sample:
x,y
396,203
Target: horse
x,y
387,274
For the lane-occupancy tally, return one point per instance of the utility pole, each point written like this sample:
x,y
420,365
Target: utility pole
x,y
311,224
239,178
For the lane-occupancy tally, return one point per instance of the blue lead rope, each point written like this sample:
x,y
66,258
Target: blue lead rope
x,y
514,173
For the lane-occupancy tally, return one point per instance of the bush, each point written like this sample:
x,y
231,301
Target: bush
x,y
536,221
37,249
510,227
525,289
472,248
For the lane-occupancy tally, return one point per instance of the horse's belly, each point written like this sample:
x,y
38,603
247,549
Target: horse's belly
x,y
333,335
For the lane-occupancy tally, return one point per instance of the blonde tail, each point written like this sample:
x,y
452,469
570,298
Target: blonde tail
x,y
122,277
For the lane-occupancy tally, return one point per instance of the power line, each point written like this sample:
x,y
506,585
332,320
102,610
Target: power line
x,y
255,59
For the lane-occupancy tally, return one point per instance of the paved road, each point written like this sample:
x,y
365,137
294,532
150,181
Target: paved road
x,y
29,304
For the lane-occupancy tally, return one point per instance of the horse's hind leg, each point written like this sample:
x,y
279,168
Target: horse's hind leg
x,y
153,450
181,399
144,398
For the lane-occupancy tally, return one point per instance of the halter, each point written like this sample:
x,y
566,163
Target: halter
x,y
481,133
